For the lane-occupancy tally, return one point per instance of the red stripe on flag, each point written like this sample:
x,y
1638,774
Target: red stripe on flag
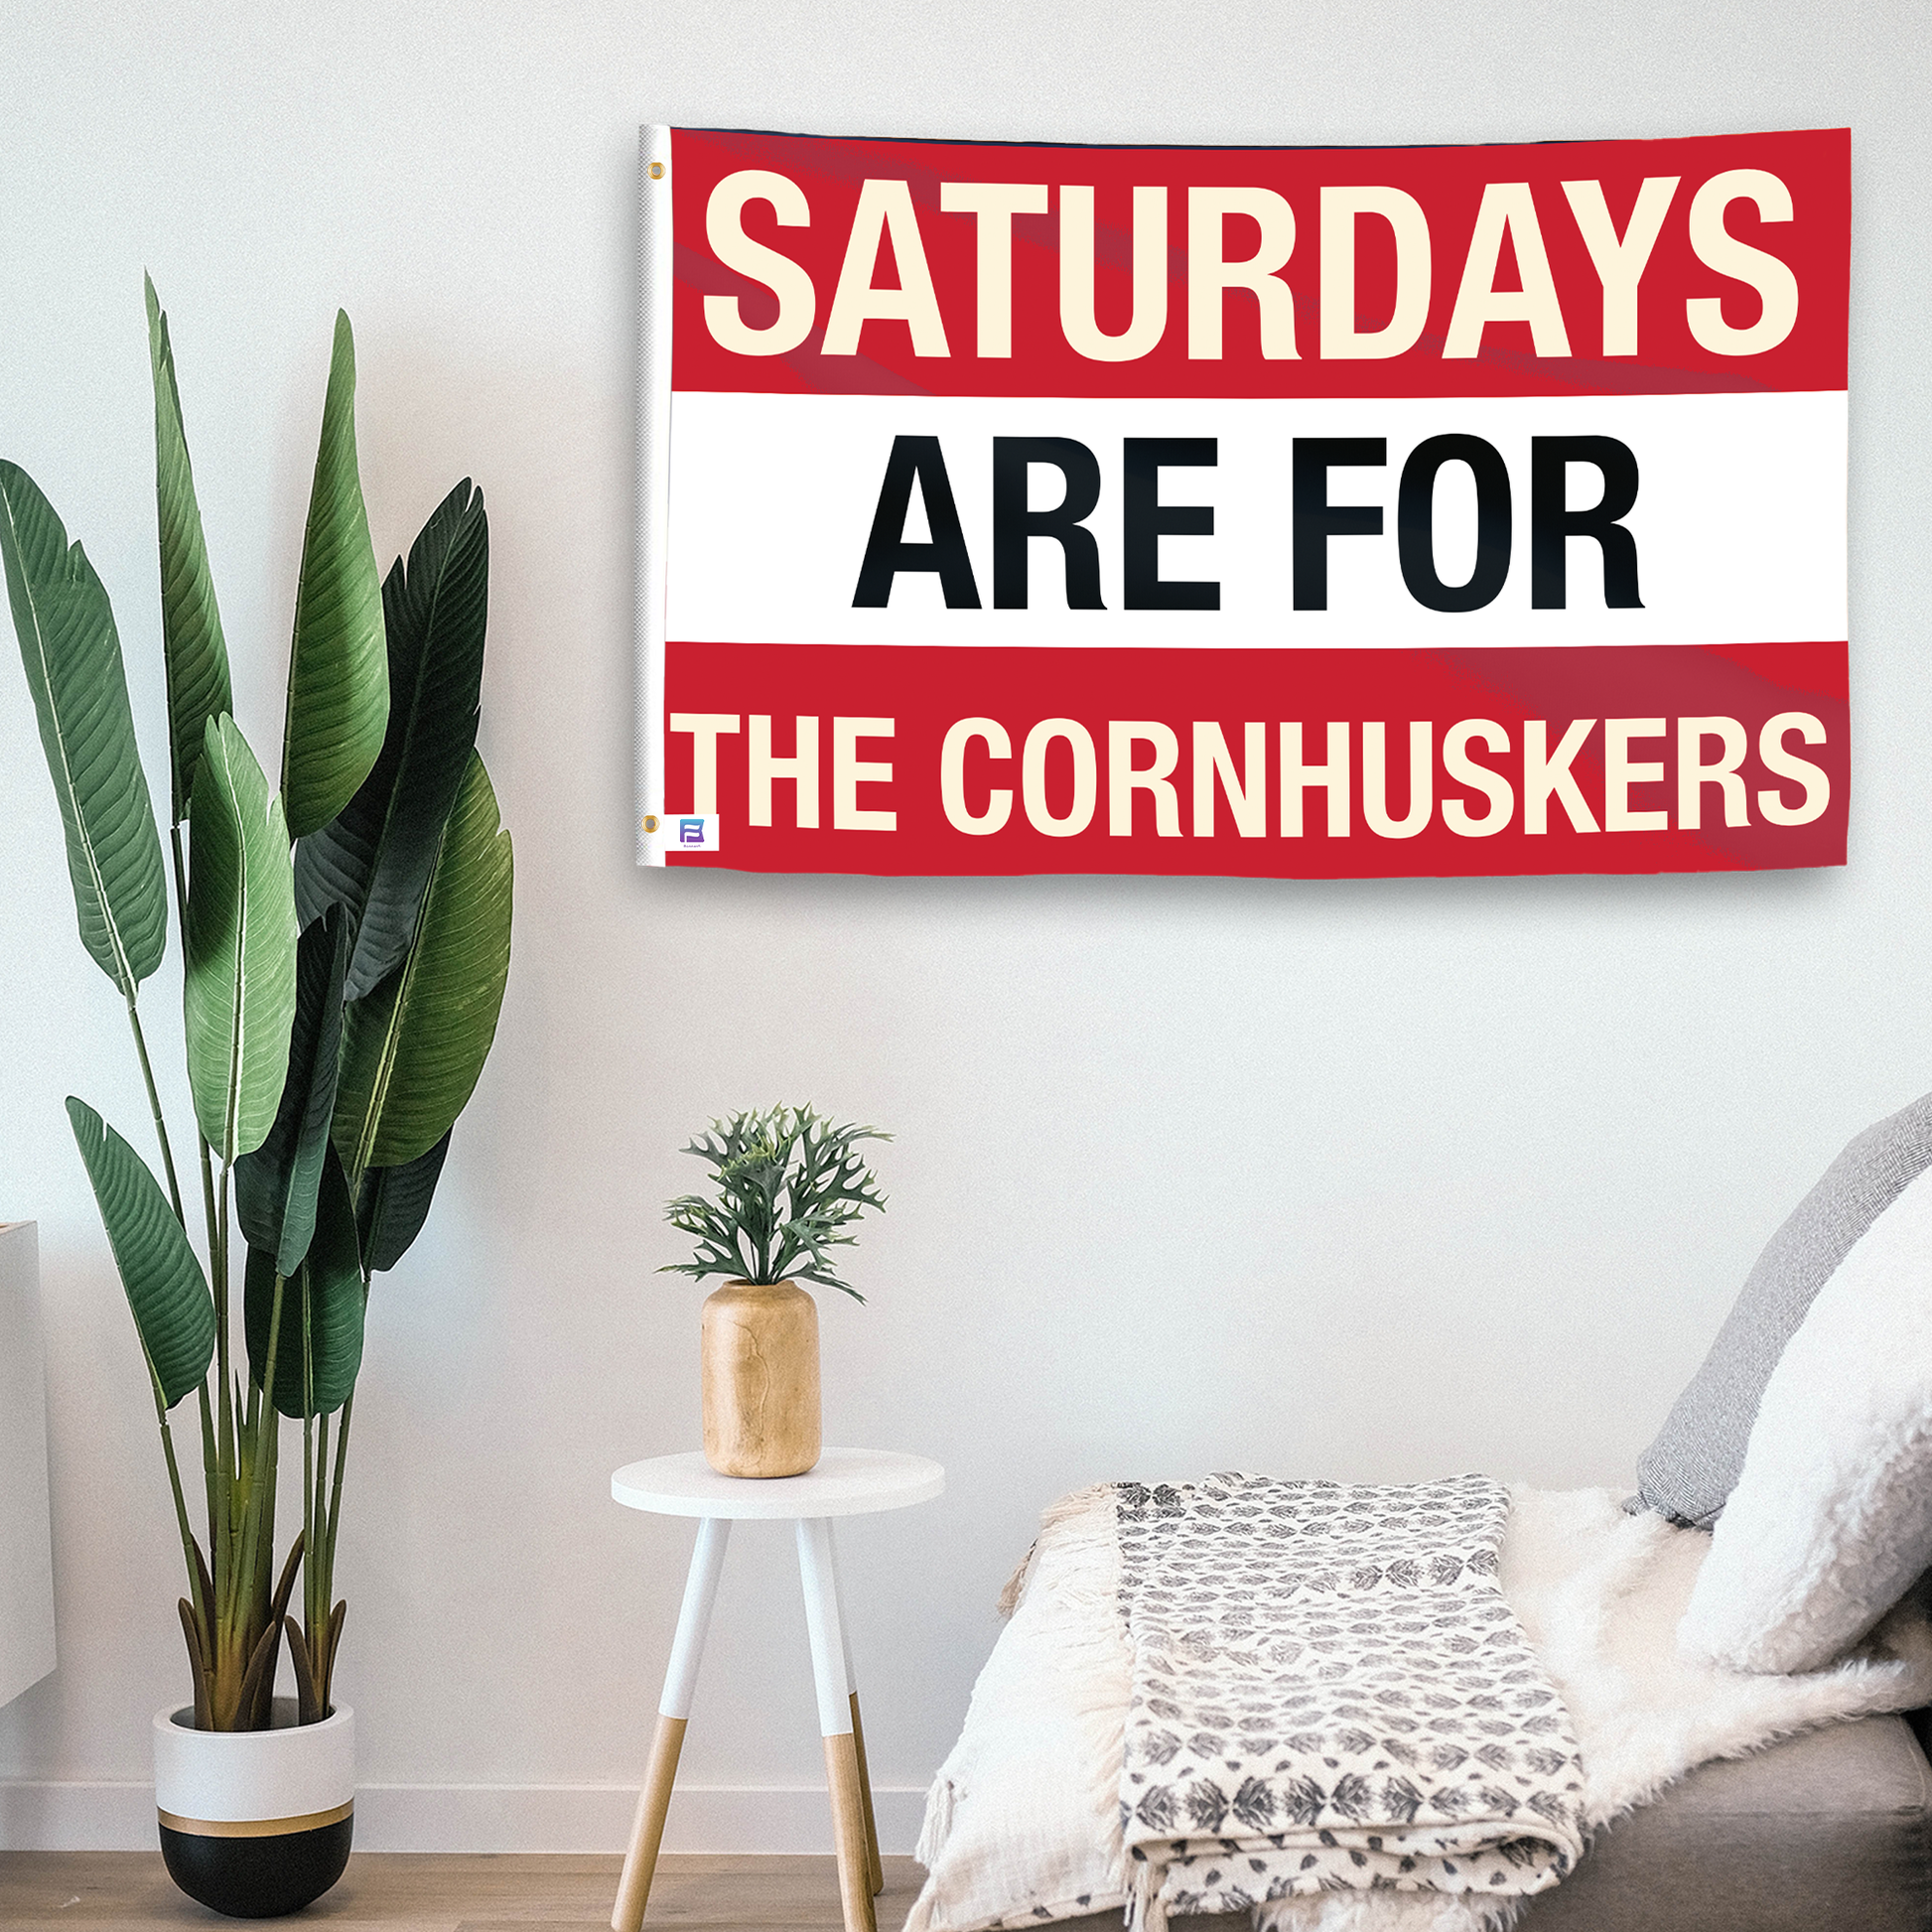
x,y
1774,714
1448,182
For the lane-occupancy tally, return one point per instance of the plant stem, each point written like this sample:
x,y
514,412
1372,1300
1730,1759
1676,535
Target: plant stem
x,y
226,1446
321,1563
308,1473
154,1106
219,1497
336,1490
209,1215
181,1509
210,1481
211,1455
315,1578
308,1534
261,1487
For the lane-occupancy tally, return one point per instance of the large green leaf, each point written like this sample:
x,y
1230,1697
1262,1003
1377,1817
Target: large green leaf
x,y
339,674
326,1295
72,656
238,990
172,1311
394,1204
275,1187
376,856
413,1050
192,648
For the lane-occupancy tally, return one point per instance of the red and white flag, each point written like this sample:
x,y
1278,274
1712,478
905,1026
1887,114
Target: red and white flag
x,y
1291,511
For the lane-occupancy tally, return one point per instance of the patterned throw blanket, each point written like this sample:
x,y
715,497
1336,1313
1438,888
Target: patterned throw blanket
x,y
1330,1693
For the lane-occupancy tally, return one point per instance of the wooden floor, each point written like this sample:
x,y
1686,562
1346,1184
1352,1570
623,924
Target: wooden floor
x,y
107,1891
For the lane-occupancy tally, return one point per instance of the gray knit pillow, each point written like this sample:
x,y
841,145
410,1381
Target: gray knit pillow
x,y
1689,1470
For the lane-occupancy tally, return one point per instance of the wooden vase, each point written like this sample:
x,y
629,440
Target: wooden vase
x,y
761,1379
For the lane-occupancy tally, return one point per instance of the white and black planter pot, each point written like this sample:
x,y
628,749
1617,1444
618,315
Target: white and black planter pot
x,y
255,1824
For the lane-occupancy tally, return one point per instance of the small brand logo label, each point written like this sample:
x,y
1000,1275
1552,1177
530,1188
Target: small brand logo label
x,y
680,832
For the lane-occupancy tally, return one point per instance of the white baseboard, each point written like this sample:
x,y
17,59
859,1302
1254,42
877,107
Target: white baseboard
x,y
45,1816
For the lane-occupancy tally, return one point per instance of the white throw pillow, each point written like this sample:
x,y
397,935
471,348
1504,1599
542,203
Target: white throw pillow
x,y
1831,1521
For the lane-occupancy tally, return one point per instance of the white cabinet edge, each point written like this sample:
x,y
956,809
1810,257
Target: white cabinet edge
x,y
27,1651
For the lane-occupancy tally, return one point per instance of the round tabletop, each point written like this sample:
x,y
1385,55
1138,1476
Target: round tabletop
x,y
844,1482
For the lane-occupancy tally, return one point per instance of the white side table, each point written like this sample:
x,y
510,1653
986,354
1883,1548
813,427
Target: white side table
x,y
846,1482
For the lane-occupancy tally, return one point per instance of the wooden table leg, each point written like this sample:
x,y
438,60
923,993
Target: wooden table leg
x,y
819,1581
648,1828
673,1710
877,1864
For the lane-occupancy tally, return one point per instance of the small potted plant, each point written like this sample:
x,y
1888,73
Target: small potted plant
x,y
789,1188
345,943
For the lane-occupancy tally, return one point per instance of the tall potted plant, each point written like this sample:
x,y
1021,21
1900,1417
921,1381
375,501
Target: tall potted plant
x,y
345,945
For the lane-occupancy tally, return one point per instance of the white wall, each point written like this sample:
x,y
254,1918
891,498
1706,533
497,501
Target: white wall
x,y
1374,1180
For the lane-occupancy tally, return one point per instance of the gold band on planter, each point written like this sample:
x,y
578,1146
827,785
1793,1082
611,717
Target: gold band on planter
x,y
312,1821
